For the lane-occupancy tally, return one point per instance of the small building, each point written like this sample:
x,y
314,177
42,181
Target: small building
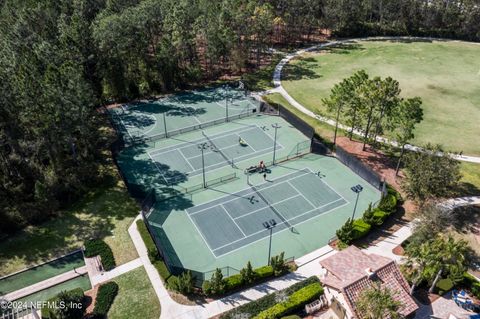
x,y
349,272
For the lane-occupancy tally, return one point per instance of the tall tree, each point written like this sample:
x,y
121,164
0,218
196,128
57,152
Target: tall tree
x,y
407,115
430,174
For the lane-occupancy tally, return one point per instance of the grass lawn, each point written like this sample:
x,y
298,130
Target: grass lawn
x,y
446,75
470,182
136,297
106,212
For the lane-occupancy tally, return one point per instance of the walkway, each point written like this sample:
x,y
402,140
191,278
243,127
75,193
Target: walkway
x,y
115,272
277,82
50,282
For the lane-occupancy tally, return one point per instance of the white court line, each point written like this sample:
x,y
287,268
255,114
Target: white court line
x,y
236,160
300,194
327,184
287,221
257,210
201,234
158,169
185,107
251,192
189,144
233,220
186,160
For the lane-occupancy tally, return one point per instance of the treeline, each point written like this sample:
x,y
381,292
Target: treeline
x,y
61,59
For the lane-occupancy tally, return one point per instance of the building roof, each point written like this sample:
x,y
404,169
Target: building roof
x,y
351,271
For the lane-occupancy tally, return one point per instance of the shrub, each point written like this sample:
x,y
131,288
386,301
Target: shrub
x,y
182,284
360,228
264,272
296,300
247,274
345,233
278,264
292,317
147,239
380,216
233,282
74,296
96,247
105,296
207,287
259,305
472,283
217,283
444,285
368,215
392,191
388,203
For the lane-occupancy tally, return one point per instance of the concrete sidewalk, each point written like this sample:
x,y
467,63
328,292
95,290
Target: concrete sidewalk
x,y
117,271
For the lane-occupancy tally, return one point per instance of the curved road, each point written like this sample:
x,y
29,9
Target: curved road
x,y
277,81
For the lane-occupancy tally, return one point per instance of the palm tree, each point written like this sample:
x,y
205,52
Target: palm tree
x,y
450,255
419,258
377,302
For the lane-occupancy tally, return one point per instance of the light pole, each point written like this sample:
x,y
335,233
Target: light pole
x,y
356,189
270,225
226,108
275,126
165,124
203,147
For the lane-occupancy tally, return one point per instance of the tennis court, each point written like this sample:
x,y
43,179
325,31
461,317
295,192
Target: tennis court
x,y
219,150
180,113
237,220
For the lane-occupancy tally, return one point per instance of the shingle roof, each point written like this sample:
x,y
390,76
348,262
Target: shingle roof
x,y
347,272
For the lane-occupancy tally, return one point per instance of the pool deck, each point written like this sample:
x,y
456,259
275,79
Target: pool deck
x,y
46,283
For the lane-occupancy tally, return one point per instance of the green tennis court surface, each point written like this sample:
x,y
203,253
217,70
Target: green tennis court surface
x,y
179,113
309,198
236,220
220,150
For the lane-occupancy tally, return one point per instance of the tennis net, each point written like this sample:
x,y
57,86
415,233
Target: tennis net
x,y
271,207
219,150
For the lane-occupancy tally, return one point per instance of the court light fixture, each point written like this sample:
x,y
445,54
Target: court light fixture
x,y
202,147
276,127
356,189
269,225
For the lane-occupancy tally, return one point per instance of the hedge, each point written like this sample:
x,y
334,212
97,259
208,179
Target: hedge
x,y
472,284
154,256
148,240
360,228
296,300
96,247
233,282
268,301
74,295
105,296
264,272
388,203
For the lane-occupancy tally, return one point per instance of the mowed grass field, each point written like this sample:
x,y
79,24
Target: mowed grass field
x,y
446,75
136,297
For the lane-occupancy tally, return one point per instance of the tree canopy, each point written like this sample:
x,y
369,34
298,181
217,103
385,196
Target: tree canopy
x,y
60,60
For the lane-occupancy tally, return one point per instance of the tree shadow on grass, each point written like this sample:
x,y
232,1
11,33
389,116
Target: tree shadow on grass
x,y
344,48
302,69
